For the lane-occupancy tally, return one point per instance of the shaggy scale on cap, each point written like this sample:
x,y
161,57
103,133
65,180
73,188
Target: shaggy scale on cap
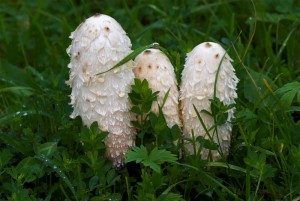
x,y
99,43
154,66
197,87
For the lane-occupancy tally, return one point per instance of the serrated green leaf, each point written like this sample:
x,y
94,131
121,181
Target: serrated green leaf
x,y
137,154
170,197
152,165
161,156
152,160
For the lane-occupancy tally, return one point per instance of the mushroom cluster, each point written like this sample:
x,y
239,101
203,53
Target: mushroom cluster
x,y
99,43
197,88
154,66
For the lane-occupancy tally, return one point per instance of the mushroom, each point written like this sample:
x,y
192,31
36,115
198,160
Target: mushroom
x,y
154,66
99,43
197,88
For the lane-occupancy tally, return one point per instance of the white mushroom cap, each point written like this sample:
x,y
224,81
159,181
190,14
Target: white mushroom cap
x,y
97,45
197,87
154,66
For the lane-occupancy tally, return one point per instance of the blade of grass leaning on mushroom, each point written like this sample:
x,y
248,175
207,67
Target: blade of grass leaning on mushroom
x,y
154,66
99,43
203,64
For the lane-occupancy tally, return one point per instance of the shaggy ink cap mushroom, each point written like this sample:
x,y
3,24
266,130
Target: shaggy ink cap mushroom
x,y
99,43
197,88
154,66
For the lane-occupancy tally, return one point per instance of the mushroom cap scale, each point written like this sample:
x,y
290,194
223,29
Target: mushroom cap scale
x,y
98,44
197,87
154,66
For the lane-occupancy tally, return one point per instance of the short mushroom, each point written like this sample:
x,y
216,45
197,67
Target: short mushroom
x,y
98,44
154,66
197,88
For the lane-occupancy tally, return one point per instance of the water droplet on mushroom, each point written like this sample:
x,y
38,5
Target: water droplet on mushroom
x,y
101,79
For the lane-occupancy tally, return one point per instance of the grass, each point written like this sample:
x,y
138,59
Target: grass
x,y
45,155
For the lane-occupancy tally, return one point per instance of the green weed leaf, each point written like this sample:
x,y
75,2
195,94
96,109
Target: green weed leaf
x,y
141,96
258,163
5,157
219,110
28,170
153,159
47,149
92,138
206,143
170,197
288,93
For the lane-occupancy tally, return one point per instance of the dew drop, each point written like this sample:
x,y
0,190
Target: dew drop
x,y
101,79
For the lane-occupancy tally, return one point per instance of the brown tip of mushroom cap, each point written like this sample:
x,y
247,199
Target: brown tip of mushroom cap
x,y
146,52
208,45
97,14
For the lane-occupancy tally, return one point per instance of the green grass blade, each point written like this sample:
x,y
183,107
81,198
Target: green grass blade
x,y
55,167
229,166
165,98
10,117
14,142
131,56
206,177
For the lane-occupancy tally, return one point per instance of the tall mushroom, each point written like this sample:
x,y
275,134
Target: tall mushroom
x,y
197,87
154,66
99,43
